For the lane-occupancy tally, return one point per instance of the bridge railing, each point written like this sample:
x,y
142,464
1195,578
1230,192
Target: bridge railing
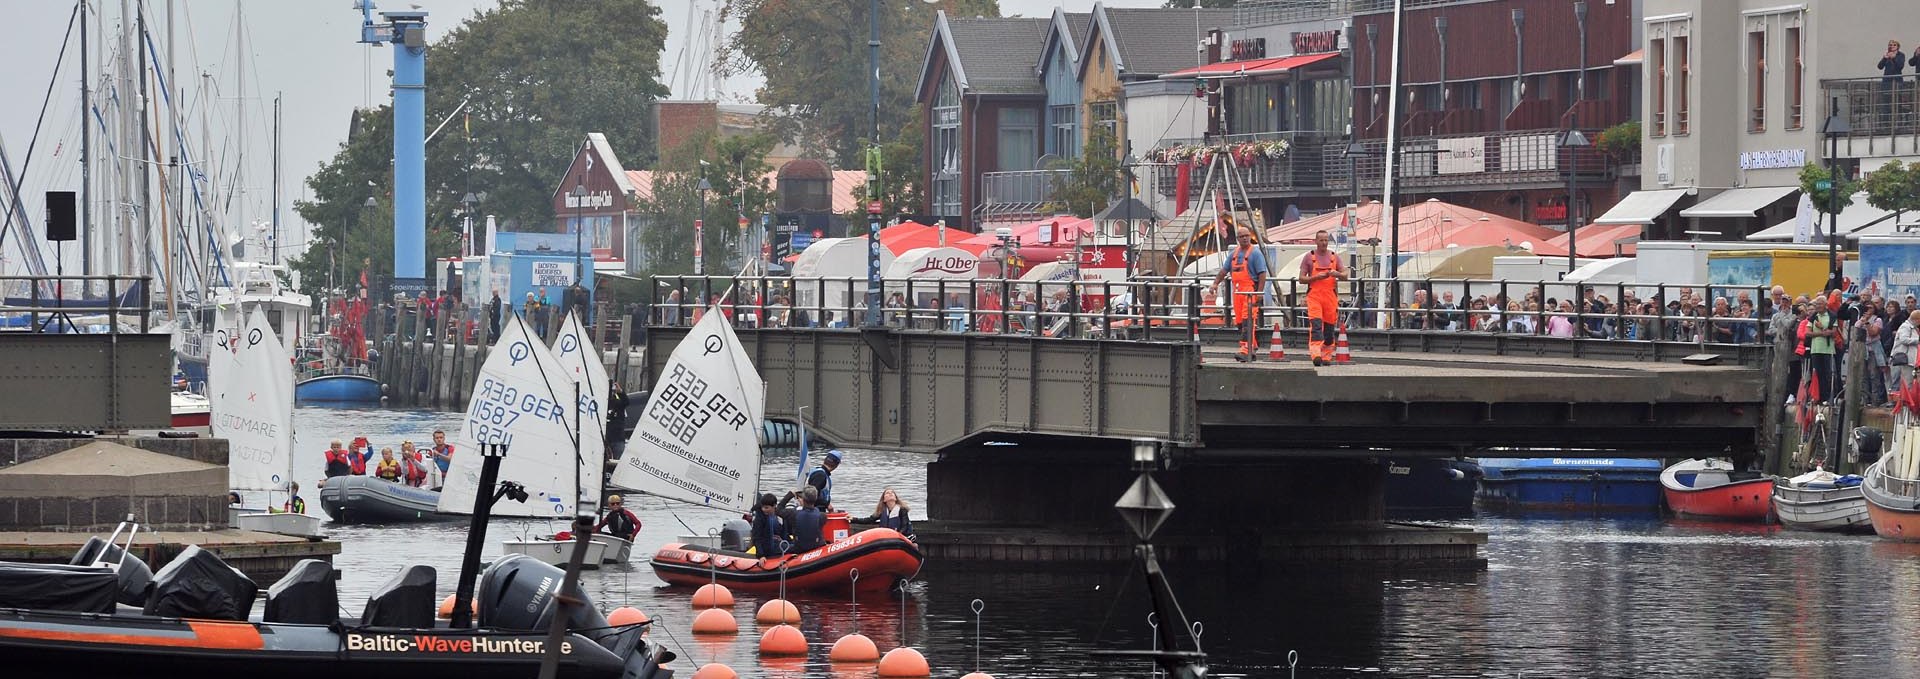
x,y
75,304
1180,309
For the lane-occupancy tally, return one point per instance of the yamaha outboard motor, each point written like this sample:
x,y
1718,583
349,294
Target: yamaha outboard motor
x,y
735,534
405,600
135,578
516,593
198,584
306,595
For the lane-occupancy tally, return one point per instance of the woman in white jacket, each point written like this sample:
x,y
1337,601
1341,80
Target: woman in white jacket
x,y
1906,347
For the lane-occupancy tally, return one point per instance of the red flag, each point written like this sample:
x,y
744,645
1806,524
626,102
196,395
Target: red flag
x,y
1182,188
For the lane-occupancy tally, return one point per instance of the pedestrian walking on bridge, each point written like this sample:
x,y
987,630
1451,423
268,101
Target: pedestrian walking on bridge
x,y
1320,270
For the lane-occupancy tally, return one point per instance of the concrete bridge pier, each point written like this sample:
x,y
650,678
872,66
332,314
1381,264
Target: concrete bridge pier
x,y
1053,501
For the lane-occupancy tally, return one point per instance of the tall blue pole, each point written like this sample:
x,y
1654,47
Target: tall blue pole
x,y
873,164
407,31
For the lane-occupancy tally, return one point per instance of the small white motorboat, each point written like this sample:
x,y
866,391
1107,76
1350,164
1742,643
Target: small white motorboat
x,y
617,549
284,523
555,552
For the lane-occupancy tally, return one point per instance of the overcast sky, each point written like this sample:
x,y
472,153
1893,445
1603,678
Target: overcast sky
x,y
307,51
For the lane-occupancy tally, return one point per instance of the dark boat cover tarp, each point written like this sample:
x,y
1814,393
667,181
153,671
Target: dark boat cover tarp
x,y
406,600
306,595
79,589
198,584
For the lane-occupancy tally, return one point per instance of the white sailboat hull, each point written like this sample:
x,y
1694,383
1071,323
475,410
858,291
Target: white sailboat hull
x,y
617,549
556,552
296,525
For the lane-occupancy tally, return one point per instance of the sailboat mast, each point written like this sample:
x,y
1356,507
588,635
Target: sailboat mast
x,y
146,143
86,153
274,246
240,124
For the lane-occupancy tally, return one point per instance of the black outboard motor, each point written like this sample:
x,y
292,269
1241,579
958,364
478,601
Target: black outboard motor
x,y
735,534
516,593
198,584
135,578
306,595
1866,445
405,600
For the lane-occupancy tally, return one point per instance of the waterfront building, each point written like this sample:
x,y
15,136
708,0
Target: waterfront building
x,y
1732,115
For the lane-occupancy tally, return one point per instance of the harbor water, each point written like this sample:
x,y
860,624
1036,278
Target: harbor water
x,y
1562,596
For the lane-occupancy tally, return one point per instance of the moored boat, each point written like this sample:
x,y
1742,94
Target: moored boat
x,y
1571,483
338,388
615,549
1818,500
369,499
556,550
1893,502
882,556
190,410
1713,489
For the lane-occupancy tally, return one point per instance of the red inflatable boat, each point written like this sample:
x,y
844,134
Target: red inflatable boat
x,y
883,557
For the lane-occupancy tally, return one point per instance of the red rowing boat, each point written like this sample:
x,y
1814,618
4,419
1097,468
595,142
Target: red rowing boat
x,y
1711,489
883,557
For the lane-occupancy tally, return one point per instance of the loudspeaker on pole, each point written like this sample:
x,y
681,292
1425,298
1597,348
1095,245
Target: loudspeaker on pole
x,y
60,217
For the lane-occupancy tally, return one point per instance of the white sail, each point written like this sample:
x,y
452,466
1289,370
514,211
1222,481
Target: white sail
x,y
252,402
581,361
523,399
698,438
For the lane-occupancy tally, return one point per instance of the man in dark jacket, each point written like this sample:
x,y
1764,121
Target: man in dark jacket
x,y
616,420
821,480
769,532
493,318
808,522
619,521
1891,64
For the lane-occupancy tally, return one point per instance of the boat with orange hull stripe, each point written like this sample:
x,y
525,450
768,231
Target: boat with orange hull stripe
x,y
1712,489
883,557
1893,503
137,645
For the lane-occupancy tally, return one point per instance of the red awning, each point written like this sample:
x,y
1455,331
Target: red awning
x,y
1252,67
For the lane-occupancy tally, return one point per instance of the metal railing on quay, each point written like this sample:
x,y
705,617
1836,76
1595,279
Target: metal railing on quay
x,y
1182,309
75,304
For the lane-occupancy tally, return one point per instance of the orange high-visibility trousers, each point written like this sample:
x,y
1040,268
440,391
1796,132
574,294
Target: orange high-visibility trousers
x,y
1323,306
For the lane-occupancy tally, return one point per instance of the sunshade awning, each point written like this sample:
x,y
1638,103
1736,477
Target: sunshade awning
x,y
1739,202
1642,207
1251,67
1855,217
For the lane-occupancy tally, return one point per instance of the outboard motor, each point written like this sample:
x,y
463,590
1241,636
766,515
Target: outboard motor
x,y
135,578
306,595
1866,445
405,600
516,593
735,534
198,584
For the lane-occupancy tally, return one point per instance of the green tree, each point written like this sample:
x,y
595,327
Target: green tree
x,y
536,76
813,56
1826,201
901,188
1895,187
736,169
1093,181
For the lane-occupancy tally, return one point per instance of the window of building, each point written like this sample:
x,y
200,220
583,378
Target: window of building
x,y
1064,128
1255,108
1503,93
1757,81
1683,77
946,148
1327,105
1570,88
1466,96
1657,57
1104,115
1432,98
1796,72
1019,138
1599,85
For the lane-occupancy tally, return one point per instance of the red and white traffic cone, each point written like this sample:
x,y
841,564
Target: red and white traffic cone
x,y
1341,353
1275,351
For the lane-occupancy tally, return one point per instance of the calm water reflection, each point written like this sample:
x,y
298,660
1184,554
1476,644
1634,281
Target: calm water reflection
x,y
1561,597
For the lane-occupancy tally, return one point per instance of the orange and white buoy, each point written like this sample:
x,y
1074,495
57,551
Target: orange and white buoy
x,y
777,612
712,595
854,647
715,621
783,640
904,662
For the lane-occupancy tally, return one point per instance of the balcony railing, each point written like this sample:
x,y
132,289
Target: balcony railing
x,y
1506,157
1017,196
1298,168
1873,107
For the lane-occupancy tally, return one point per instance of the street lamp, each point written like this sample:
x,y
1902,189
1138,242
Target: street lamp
x,y
1835,128
700,230
1572,141
579,200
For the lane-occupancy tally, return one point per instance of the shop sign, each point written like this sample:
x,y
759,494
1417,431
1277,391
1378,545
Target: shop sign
x,y
1313,42
1462,155
1774,159
1248,48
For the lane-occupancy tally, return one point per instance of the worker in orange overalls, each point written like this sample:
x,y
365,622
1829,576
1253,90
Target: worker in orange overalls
x,y
1248,267
1320,270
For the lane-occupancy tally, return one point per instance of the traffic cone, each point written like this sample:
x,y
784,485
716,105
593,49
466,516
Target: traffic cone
x,y
1341,353
1275,351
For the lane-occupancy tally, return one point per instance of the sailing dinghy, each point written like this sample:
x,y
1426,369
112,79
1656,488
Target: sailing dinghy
x,y
252,407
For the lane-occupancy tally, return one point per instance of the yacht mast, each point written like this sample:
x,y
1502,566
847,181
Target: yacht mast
x,y
273,243
145,240
86,153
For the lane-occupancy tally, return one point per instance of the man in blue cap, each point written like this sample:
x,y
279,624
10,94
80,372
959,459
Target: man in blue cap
x,y
821,478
